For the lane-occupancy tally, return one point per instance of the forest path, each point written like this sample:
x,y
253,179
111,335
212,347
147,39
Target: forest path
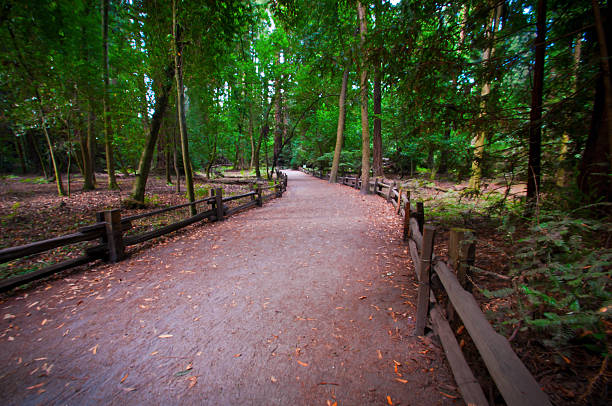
x,y
305,301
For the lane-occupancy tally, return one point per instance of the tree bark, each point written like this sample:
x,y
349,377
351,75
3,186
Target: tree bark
x,y
180,104
108,132
333,177
91,140
377,155
56,170
144,166
481,135
594,179
605,71
535,114
363,84
20,154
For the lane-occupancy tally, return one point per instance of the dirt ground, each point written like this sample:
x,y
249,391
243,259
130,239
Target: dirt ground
x,y
306,301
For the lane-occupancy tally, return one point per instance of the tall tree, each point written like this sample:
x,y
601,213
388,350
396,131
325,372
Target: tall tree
x,y
377,155
108,132
535,115
480,139
144,165
180,104
363,91
333,177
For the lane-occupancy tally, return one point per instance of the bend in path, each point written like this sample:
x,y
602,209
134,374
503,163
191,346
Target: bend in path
x,y
308,300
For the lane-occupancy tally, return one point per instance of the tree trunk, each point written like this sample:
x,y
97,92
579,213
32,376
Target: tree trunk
x,y
85,165
251,138
180,104
108,132
481,135
363,84
605,71
56,170
333,177
278,124
144,166
594,179
535,114
177,171
562,175
43,167
91,140
19,149
377,167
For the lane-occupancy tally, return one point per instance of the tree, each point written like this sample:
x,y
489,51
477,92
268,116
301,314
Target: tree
x,y
535,115
333,177
363,89
180,105
108,132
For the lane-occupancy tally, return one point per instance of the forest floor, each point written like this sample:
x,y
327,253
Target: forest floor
x,y
308,300
30,210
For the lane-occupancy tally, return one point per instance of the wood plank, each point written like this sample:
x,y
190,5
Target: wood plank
x,y
245,206
8,254
230,198
468,385
415,233
424,279
135,239
414,254
16,281
513,379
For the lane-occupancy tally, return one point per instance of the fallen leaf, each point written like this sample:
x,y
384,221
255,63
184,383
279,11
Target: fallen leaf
x,y
165,336
129,389
94,349
9,316
379,354
401,380
237,355
362,297
389,401
35,386
155,352
45,321
448,396
273,379
302,363
192,381
124,377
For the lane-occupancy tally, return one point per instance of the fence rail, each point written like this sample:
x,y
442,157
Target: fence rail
x,y
450,281
110,228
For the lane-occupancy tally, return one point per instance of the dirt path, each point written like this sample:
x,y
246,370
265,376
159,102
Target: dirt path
x,y
306,301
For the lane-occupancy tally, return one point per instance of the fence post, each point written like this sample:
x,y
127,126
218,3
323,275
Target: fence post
x,y
420,216
285,180
219,203
399,199
114,235
258,194
425,274
278,190
376,185
407,217
462,253
391,186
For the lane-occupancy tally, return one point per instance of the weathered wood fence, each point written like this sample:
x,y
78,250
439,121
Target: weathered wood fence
x,y
110,227
450,283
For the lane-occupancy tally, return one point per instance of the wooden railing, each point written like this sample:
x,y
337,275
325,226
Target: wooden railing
x,y
449,282
110,228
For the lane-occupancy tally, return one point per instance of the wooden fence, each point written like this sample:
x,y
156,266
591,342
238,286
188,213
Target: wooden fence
x,y
449,283
110,227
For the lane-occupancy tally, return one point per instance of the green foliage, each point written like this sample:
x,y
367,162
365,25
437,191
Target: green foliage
x,y
563,275
202,191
